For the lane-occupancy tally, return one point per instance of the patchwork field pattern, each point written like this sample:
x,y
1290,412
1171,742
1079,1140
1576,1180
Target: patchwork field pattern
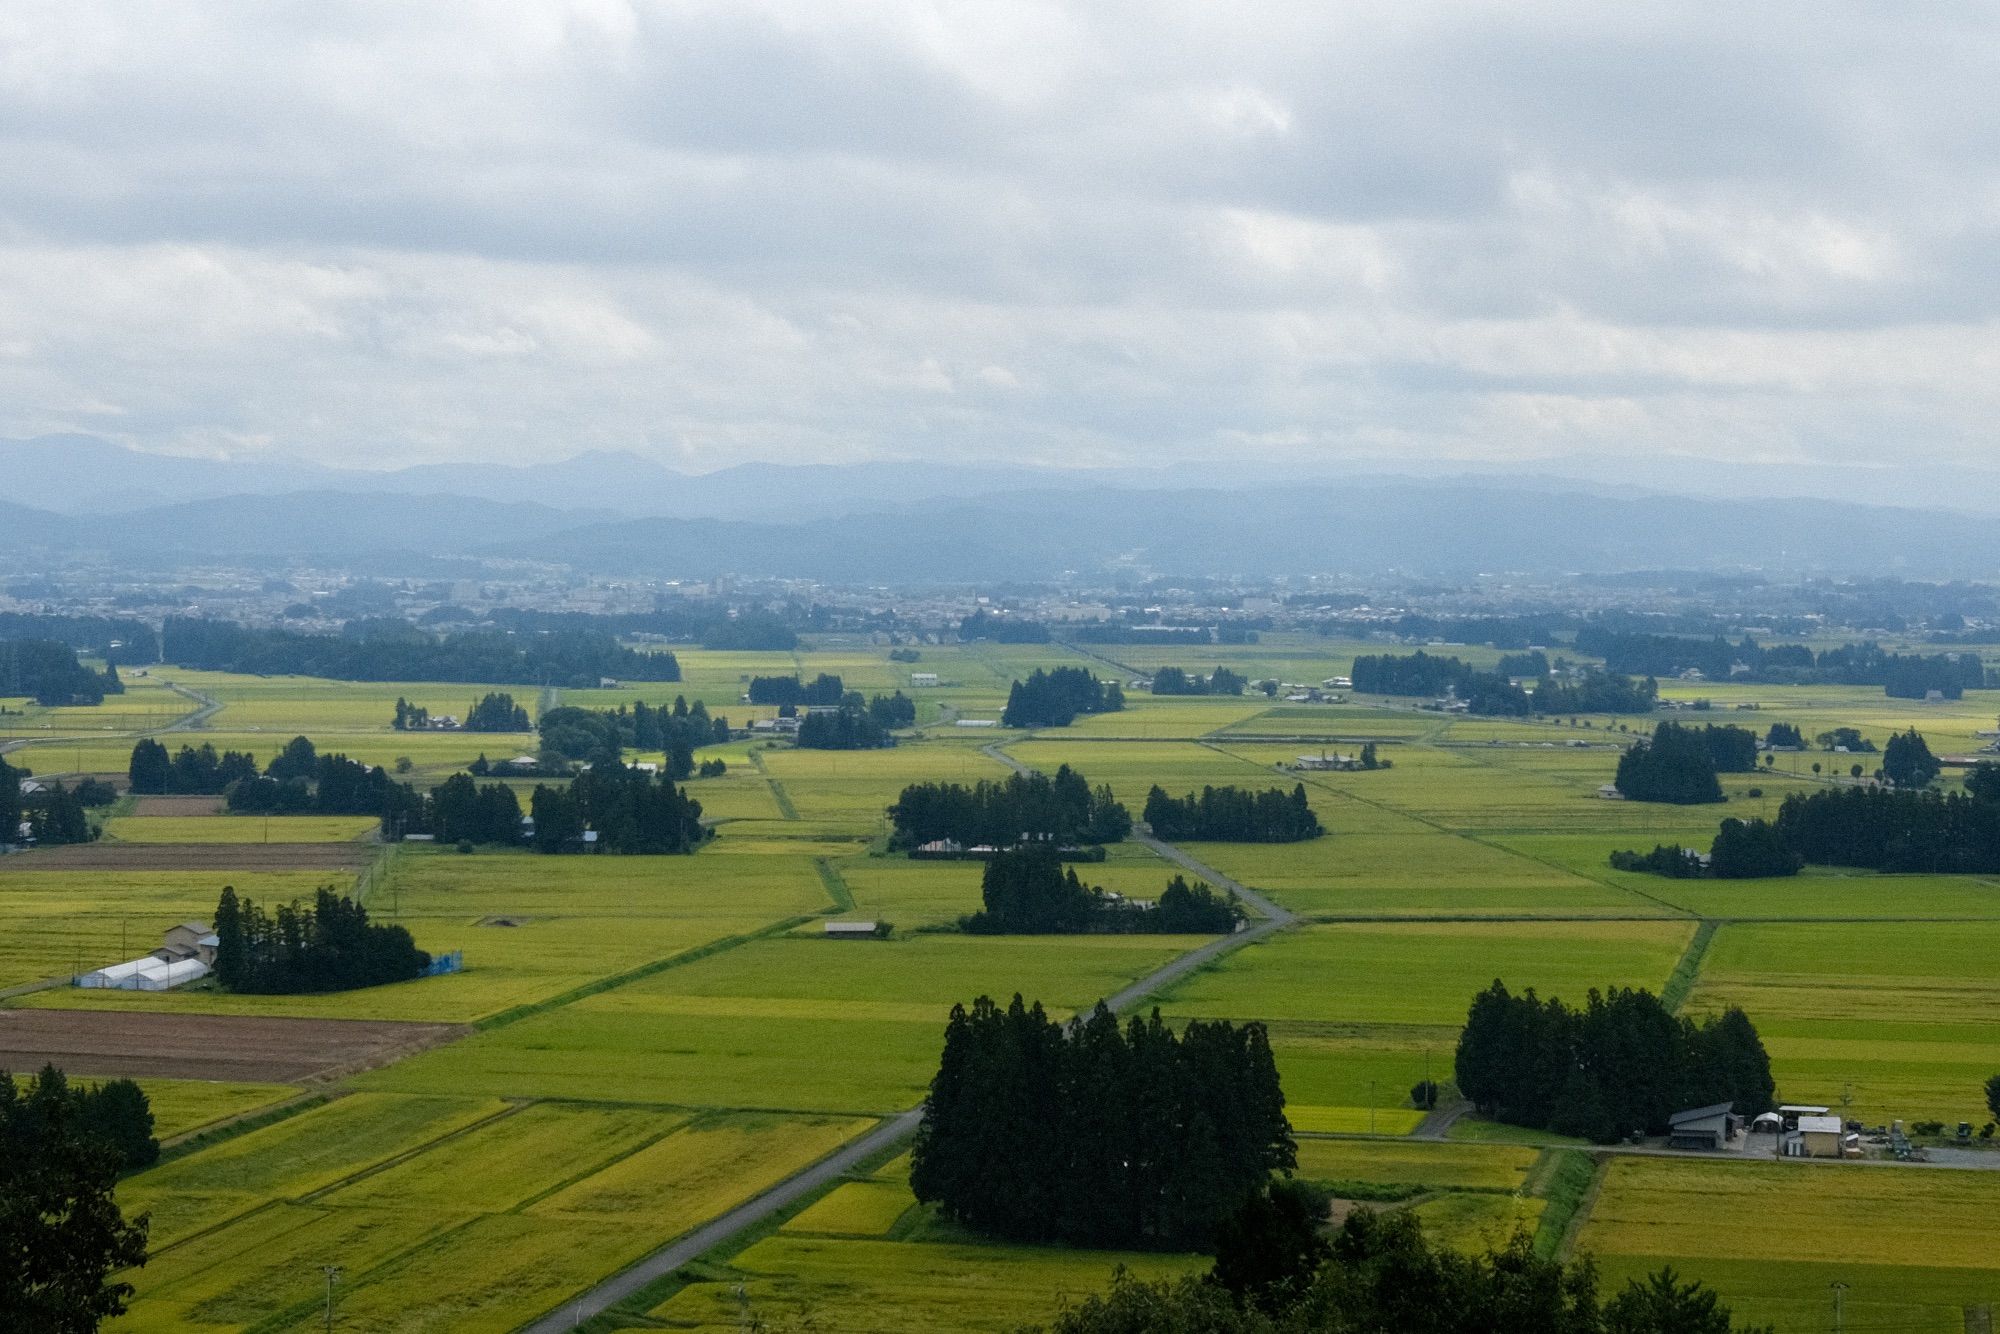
x,y
638,1044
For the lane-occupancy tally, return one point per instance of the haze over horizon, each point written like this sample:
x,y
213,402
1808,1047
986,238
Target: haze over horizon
x,y
1539,238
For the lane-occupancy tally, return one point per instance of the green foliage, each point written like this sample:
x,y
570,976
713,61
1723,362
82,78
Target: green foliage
x,y
629,811
1893,830
1064,808
1621,1065
496,712
1993,1096
463,811
1037,1131
1176,681
1670,860
398,651
1054,698
1751,850
191,772
60,1227
331,946
1379,1273
1269,1249
48,671
1908,761
823,690
1674,766
1234,815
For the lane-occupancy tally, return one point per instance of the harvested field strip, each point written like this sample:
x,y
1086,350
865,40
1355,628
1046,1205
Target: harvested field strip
x,y
245,857
221,1047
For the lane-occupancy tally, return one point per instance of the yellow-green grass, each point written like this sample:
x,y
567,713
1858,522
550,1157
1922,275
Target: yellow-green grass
x,y
1913,1245
478,1229
56,923
1477,1223
681,1181
883,1285
501,1164
1320,1119
240,828
181,1105
267,1262
787,1023
1419,871
857,787
293,1158
1885,1020
310,704
856,1209
1156,716
575,920
1433,1166
1425,973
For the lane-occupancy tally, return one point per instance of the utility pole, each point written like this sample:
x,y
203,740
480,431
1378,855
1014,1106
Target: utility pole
x,y
332,1273
1371,1106
1839,1289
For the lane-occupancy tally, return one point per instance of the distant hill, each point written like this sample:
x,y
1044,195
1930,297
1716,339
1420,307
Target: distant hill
x,y
1444,528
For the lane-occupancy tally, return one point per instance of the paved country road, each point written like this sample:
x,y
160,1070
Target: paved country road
x,y
900,1128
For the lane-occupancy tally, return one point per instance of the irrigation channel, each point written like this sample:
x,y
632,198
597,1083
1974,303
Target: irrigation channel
x,y
895,1131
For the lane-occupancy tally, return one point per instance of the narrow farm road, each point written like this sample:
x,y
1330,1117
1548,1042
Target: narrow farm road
x,y
902,1127
206,707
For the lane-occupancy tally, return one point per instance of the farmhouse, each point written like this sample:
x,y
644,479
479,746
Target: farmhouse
x,y
1708,1128
189,940
1324,762
1610,792
1816,1137
923,678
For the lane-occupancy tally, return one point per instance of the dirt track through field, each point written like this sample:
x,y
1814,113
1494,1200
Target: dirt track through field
x,y
193,857
177,805
200,1046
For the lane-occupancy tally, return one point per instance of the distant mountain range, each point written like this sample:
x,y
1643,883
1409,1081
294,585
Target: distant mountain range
x,y
80,474
904,534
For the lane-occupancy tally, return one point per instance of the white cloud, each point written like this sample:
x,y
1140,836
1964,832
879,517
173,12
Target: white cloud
x,y
728,229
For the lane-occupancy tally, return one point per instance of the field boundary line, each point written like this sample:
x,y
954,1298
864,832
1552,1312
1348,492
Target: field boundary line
x,y
890,1133
524,1205
1680,982
1573,1228
512,1109
631,975
836,884
1673,909
778,793
226,1128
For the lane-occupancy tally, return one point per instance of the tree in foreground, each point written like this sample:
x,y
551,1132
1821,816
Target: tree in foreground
x,y
1086,1134
1993,1096
62,1236
1379,1274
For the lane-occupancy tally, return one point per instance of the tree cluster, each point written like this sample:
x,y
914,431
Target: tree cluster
x,y
1233,815
1785,736
823,689
983,624
47,670
1907,761
1275,1274
464,811
1598,692
1675,765
1899,829
1619,1066
858,724
1176,681
630,812
1064,809
1055,697
55,817
1902,676
1027,891
1093,1136
331,946
300,781
1845,738
1742,850
116,639
193,771
496,711
398,651
61,1230
601,736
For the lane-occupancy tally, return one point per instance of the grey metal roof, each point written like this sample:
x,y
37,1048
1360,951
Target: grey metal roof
x,y
1701,1113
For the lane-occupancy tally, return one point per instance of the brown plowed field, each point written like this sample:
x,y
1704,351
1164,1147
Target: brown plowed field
x,y
204,1046
177,805
193,857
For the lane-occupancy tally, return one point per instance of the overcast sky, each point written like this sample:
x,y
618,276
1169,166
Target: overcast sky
x,y
1104,232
